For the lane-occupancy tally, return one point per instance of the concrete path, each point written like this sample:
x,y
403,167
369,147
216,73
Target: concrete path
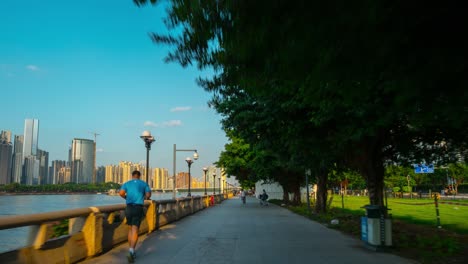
x,y
236,233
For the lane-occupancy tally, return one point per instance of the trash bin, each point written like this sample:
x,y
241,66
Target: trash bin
x,y
379,227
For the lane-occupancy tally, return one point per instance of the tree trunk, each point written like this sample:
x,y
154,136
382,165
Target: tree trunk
x,y
296,190
285,195
321,202
375,180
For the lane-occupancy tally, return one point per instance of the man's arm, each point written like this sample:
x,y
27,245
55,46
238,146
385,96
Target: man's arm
x,y
147,192
147,195
123,194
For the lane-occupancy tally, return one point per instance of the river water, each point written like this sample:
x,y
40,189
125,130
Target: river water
x,y
29,204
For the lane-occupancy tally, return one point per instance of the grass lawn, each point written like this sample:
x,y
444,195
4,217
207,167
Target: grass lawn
x,y
452,217
415,234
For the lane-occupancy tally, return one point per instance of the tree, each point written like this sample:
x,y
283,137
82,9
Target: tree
x,y
236,160
363,84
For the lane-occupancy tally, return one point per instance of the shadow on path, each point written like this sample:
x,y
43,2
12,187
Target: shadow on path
x,y
236,233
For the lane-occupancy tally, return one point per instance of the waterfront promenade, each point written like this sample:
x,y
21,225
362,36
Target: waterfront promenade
x,y
236,233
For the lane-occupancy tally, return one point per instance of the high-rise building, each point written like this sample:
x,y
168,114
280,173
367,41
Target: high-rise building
x,y
17,166
160,178
182,180
126,169
57,166
30,145
43,158
113,173
82,160
109,177
64,175
5,136
5,161
31,137
170,183
100,174
31,171
156,182
51,175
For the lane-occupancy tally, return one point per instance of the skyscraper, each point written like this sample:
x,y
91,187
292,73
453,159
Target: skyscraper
x,y
64,175
43,158
5,136
160,178
57,166
30,143
110,173
156,179
31,137
182,180
5,160
100,174
31,171
82,160
17,166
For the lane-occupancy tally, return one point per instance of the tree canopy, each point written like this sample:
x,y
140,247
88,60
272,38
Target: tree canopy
x,y
317,84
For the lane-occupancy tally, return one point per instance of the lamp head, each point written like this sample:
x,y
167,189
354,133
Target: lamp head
x,y
205,169
147,137
189,160
145,134
195,155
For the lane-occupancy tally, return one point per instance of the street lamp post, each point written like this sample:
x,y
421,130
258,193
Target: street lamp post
x,y
219,184
148,139
195,157
224,187
214,183
189,163
205,169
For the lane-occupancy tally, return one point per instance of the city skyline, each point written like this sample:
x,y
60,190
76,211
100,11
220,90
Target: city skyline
x,y
101,73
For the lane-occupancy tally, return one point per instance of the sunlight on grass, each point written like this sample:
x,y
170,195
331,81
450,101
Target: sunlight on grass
x,y
453,217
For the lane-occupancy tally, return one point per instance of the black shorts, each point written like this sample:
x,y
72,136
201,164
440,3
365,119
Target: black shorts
x,y
134,214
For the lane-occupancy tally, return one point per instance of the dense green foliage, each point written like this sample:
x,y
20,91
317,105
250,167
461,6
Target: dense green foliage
x,y
59,188
328,85
400,177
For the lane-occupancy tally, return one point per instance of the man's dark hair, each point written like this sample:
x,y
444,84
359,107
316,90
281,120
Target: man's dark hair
x,y
136,173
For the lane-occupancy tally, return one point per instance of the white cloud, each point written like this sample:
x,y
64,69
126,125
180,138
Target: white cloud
x,y
100,150
150,124
170,123
181,108
32,67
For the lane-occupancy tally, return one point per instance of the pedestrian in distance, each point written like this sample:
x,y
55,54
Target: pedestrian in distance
x,y
264,198
243,196
135,192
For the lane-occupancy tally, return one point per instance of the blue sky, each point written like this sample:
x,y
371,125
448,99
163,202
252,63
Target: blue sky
x,y
87,65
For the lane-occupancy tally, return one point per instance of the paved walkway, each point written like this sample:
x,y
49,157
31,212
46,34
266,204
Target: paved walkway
x,y
236,233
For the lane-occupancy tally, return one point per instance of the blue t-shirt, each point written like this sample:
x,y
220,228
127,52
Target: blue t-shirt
x,y
136,190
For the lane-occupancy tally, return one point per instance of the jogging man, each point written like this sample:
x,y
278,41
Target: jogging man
x,y
135,192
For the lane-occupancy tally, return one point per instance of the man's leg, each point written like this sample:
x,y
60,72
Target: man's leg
x,y
130,235
130,215
133,232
